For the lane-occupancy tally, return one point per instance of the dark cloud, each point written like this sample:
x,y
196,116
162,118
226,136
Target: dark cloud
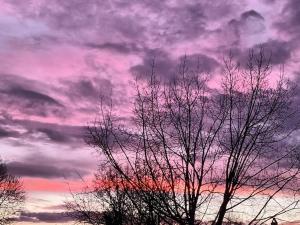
x,y
55,133
23,95
43,170
89,91
124,48
88,88
269,1
143,22
37,164
289,18
238,29
205,63
251,14
165,67
30,95
4,133
249,23
46,217
279,52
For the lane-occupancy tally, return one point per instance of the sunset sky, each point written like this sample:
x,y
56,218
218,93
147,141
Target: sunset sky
x,y
57,57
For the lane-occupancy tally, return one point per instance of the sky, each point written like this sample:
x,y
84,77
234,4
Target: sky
x,y
59,57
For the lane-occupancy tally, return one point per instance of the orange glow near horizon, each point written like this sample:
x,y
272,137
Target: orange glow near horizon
x,y
40,184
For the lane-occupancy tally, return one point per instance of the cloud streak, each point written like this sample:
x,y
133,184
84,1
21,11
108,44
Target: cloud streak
x,y
46,217
45,171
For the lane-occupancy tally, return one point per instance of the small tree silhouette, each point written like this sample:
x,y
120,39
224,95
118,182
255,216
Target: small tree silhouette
x,y
11,195
111,202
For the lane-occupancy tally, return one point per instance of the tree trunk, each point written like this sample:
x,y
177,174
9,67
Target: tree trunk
x,y
222,210
191,220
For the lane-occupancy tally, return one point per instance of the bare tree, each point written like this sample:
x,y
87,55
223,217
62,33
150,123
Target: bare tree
x,y
111,202
188,148
11,195
257,156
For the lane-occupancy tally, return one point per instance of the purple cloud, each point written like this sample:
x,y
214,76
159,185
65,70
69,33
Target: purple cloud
x,y
48,170
23,95
4,133
134,21
46,217
39,165
251,14
88,89
63,134
124,48
290,18
166,67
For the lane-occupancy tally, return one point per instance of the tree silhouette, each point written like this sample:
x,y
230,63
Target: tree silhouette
x,y
11,195
110,201
189,149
